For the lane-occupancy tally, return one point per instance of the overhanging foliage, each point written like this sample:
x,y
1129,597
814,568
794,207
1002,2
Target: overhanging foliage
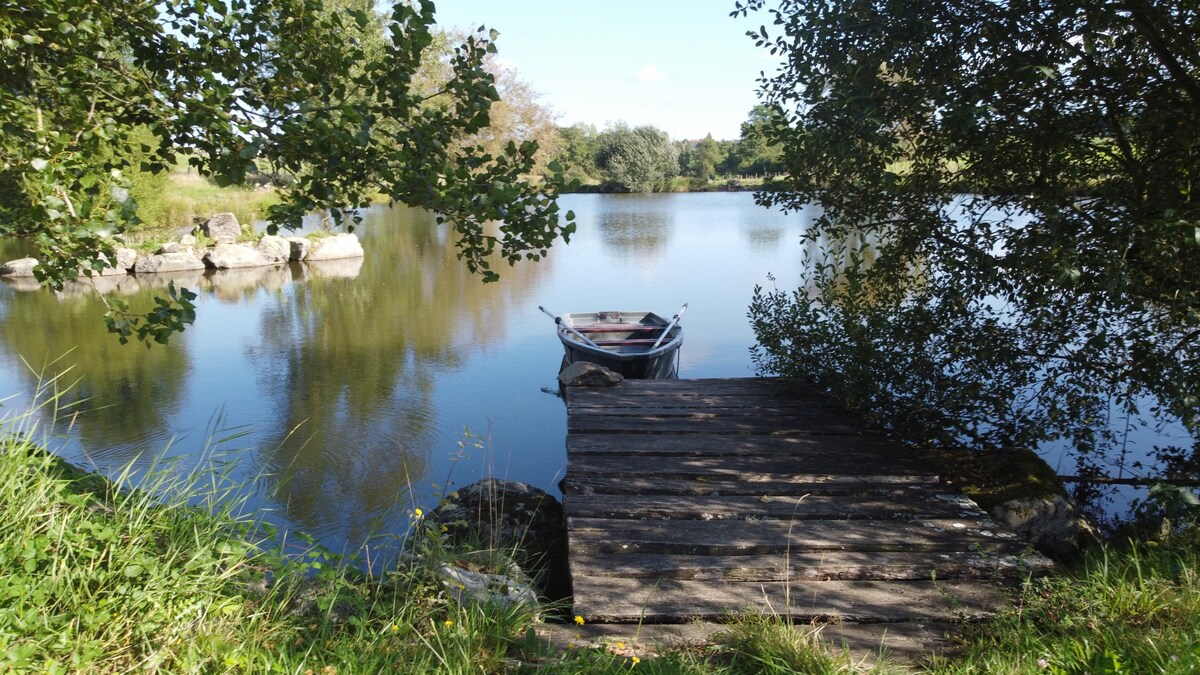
x,y
310,90
1061,301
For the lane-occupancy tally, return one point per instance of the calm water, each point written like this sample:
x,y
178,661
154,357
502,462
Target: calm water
x,y
340,396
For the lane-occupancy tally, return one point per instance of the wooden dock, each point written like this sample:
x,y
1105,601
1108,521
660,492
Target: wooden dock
x,y
691,500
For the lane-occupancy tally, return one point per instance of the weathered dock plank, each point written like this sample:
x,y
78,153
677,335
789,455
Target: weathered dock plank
x,y
765,505
875,446
749,485
693,499
985,562
674,601
744,537
902,470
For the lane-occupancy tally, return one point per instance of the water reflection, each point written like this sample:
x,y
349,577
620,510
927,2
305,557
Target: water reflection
x,y
642,232
351,366
123,394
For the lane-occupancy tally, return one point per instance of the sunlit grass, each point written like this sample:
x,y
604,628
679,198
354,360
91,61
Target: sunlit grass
x,y
1127,609
191,198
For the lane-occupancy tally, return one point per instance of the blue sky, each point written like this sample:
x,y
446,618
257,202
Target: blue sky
x,y
682,66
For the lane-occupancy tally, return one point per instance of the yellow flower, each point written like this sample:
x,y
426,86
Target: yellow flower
x,y
448,623
395,628
418,513
579,619
636,660
620,645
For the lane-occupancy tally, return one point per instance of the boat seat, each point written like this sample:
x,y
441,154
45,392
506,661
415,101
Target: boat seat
x,y
617,328
633,341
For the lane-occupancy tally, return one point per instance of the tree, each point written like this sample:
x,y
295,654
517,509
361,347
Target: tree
x,y
578,146
516,116
291,83
1060,304
636,160
705,158
755,153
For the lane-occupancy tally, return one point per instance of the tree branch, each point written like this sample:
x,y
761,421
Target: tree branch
x,y
1141,12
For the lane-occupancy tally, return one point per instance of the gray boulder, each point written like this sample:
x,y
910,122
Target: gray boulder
x,y
276,249
299,248
21,267
345,245
180,261
231,256
188,240
222,228
126,258
1051,524
512,516
586,374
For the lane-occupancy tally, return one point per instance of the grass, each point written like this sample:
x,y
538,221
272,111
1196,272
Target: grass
x,y
1126,609
97,576
191,198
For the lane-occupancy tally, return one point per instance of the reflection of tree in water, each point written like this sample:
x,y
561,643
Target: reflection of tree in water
x,y
128,391
353,365
764,238
644,232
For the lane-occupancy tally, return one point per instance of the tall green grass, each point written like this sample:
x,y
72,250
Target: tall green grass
x,y
98,577
1130,608
189,198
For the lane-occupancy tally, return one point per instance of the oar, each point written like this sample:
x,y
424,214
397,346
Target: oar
x,y
558,320
671,325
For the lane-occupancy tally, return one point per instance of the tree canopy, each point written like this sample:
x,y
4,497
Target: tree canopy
x,y
636,159
1010,247
755,153
294,84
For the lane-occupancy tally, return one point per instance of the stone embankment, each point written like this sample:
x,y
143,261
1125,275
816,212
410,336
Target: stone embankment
x,y
224,253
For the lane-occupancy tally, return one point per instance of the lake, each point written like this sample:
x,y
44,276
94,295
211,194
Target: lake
x,y
339,398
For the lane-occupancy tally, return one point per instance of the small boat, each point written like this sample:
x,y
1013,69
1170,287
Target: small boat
x,y
638,345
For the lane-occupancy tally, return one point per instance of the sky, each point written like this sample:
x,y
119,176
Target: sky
x,y
684,66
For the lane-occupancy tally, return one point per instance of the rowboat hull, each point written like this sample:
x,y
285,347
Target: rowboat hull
x,y
625,343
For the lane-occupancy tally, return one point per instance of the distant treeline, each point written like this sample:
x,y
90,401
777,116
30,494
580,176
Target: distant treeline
x,y
645,159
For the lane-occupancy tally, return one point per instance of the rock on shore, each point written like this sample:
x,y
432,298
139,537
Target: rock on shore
x,y
225,254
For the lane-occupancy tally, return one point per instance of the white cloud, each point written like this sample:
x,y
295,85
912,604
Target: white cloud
x,y
650,73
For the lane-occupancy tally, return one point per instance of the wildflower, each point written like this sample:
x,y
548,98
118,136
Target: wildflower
x,y
579,619
448,623
620,645
1043,664
636,660
395,628
418,513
